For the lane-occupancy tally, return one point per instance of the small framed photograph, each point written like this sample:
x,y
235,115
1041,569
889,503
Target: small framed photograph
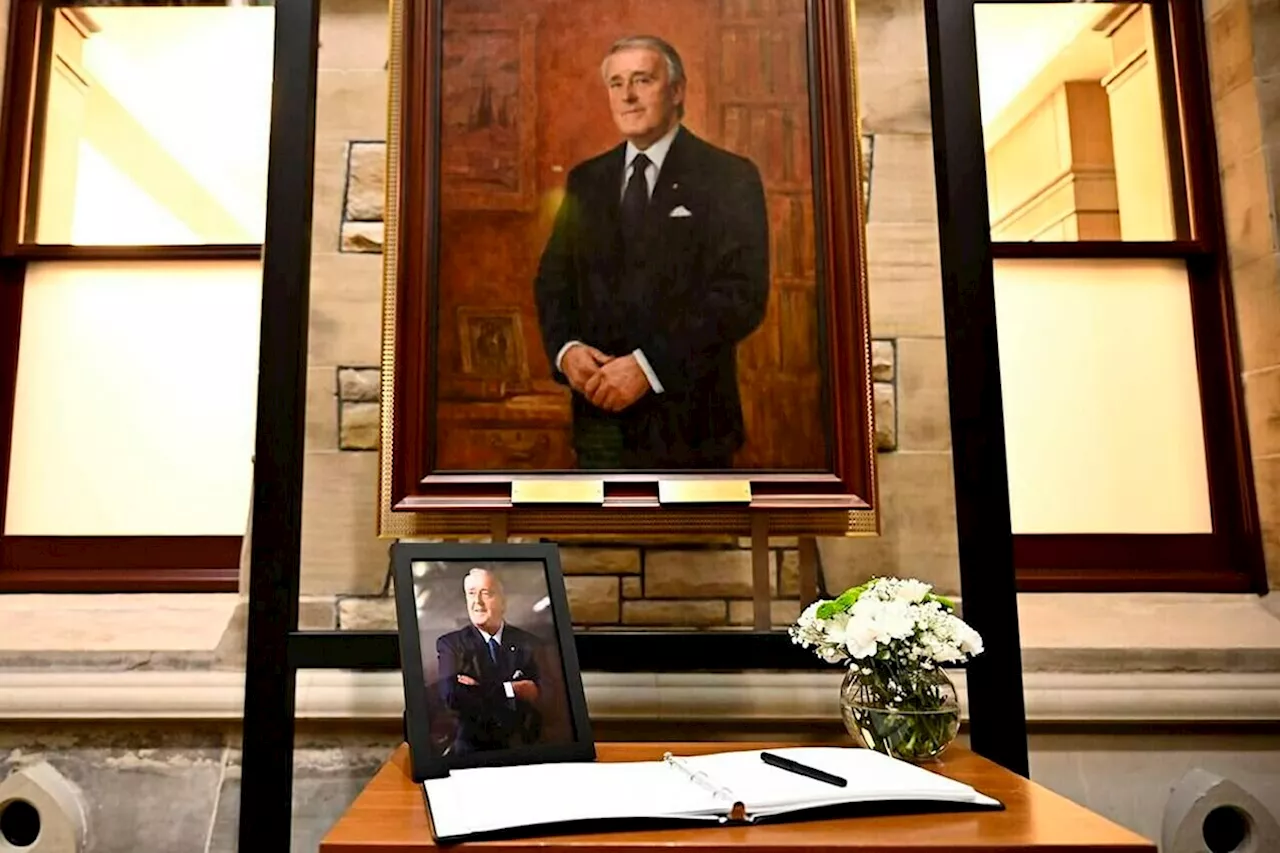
x,y
486,648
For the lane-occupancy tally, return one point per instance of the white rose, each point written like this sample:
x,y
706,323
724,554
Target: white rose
x,y
861,638
912,591
834,627
896,620
866,607
970,641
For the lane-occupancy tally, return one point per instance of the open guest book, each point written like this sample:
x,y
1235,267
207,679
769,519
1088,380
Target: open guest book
x,y
724,787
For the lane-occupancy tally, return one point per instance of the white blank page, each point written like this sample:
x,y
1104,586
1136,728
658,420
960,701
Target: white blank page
x,y
872,776
485,799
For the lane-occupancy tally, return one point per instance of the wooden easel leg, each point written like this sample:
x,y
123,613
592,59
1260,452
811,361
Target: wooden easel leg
x,y
808,571
760,571
498,527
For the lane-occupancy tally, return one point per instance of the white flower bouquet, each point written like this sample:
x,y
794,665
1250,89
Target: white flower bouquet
x,y
894,635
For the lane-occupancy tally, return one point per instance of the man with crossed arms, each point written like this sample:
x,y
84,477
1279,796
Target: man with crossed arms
x,y
489,673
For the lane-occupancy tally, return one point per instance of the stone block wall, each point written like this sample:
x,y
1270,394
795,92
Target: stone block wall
x,y
918,537
341,552
1244,58
623,585
629,583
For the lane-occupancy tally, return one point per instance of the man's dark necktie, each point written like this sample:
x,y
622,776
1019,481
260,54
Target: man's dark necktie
x,y
636,198
493,649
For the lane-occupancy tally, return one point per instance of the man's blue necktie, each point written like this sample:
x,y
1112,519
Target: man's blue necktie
x,y
493,649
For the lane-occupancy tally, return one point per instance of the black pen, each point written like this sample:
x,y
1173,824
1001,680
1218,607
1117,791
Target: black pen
x,y
796,767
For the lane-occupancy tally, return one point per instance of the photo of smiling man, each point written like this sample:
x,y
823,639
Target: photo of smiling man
x,y
656,269
496,679
489,672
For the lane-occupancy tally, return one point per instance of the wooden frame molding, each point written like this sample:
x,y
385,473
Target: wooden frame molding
x,y
120,563
11,282
417,498
1126,562
193,252
18,117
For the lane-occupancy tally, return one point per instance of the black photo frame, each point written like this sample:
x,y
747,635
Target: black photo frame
x,y
431,606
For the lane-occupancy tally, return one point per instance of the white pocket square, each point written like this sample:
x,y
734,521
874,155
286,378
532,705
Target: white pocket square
x,y
680,210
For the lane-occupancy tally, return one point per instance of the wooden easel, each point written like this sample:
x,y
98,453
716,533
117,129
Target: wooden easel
x,y
761,599
498,527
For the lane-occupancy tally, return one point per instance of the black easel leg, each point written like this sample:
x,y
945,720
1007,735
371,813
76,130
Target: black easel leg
x,y
266,790
997,725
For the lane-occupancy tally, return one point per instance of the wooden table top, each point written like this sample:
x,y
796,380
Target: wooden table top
x,y
390,815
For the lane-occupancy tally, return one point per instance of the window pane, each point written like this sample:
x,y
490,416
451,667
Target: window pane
x,y
1073,114
126,400
1101,397
154,126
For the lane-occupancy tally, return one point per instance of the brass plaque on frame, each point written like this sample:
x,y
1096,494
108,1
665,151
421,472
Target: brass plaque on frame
x,y
704,491
557,492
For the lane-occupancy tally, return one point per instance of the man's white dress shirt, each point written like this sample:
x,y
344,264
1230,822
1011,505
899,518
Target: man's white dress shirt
x,y
657,152
506,685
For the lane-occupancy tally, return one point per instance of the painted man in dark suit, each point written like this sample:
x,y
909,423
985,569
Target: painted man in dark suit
x,y
489,673
658,265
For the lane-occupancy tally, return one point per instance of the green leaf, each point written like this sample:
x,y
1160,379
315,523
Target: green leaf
x,y
845,600
941,599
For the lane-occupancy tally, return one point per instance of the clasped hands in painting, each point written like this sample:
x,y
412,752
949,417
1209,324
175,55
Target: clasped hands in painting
x,y
611,383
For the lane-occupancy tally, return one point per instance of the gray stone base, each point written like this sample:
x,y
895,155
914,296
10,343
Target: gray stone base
x,y
173,788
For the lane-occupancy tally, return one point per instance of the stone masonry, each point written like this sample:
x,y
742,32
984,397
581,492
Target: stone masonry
x,y
1244,59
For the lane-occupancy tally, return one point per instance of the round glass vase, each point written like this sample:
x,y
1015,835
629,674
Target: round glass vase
x,y
909,714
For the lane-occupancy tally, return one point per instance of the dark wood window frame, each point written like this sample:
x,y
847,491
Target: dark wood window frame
x,y
1229,559
78,563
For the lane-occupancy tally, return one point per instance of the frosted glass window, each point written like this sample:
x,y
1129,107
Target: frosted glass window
x,y
1104,431
154,126
136,399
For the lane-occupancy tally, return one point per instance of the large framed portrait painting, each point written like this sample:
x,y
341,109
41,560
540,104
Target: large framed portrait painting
x,y
625,280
